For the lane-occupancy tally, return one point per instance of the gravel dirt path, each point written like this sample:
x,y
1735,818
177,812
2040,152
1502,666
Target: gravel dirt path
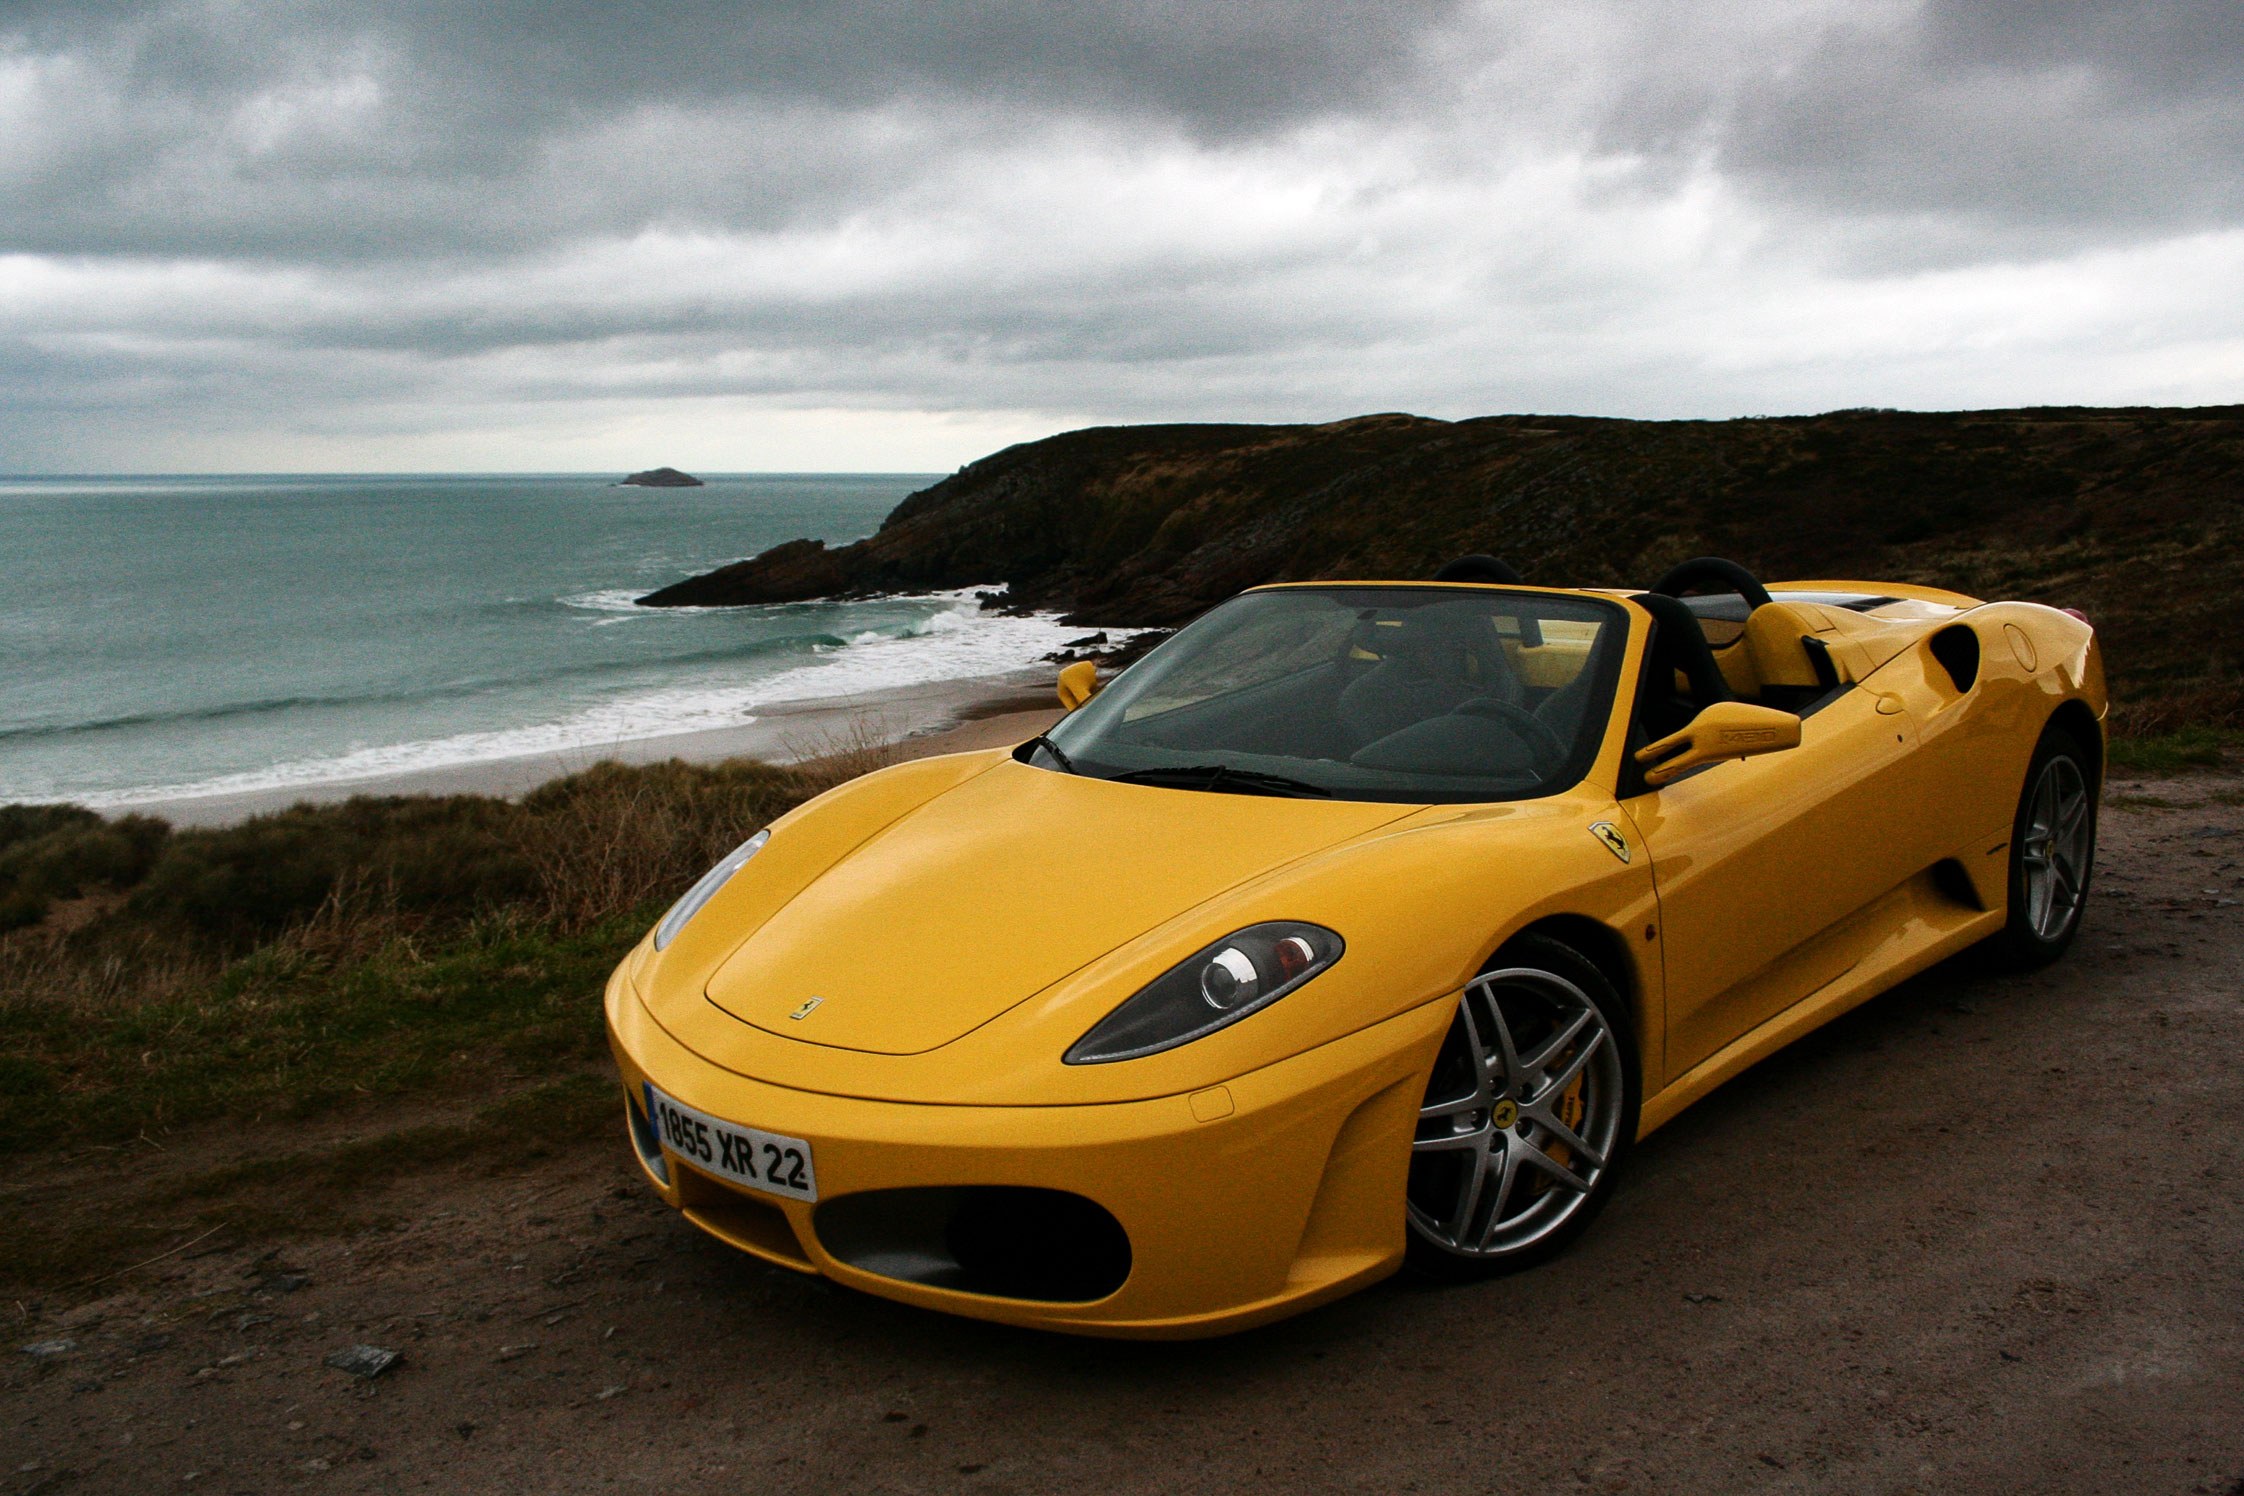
x,y
1984,1234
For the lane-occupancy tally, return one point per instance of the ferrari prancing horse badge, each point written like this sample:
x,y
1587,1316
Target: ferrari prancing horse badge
x,y
1615,843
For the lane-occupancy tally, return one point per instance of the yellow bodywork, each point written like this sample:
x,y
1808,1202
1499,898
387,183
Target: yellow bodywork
x,y
965,919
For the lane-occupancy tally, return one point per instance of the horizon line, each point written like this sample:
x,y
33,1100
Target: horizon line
x,y
705,473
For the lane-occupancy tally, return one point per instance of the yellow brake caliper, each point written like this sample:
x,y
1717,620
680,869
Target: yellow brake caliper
x,y
1570,1110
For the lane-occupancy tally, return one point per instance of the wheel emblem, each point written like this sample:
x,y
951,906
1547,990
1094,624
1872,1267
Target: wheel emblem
x,y
1505,1114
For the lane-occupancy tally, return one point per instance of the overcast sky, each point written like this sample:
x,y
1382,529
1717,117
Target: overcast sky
x,y
895,234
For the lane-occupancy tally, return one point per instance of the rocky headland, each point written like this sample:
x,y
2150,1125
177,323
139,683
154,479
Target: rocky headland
x,y
2134,515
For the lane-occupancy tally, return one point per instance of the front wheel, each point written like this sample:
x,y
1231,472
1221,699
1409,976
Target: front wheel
x,y
1531,1104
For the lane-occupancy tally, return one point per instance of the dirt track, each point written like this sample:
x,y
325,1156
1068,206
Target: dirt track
x,y
1984,1234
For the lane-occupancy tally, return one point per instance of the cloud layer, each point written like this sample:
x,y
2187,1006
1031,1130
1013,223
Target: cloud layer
x,y
249,234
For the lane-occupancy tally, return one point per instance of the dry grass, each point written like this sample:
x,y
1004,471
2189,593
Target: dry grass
x,y
604,841
373,947
36,965
395,954
2218,707
866,741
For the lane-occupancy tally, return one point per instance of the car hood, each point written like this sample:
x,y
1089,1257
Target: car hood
x,y
997,888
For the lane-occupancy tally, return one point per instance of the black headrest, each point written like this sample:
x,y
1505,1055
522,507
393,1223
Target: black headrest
x,y
1679,643
1705,569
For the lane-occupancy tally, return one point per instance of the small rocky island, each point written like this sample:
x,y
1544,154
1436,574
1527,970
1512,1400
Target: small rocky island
x,y
662,477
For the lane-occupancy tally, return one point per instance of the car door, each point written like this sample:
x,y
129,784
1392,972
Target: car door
x,y
1753,859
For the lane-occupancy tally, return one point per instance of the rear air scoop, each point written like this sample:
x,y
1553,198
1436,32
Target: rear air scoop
x,y
993,891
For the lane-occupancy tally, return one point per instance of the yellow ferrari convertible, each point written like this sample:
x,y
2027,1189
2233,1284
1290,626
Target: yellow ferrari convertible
x,y
1360,924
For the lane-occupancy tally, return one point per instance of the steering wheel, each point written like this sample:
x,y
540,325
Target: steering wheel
x,y
1707,569
1541,741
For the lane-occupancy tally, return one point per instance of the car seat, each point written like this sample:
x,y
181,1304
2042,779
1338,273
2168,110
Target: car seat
x,y
1561,711
1431,660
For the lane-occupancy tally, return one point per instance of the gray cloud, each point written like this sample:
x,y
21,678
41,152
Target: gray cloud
x,y
429,128
2091,121
421,128
276,226
1227,68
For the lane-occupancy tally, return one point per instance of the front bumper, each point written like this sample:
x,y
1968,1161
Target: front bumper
x,y
1242,1203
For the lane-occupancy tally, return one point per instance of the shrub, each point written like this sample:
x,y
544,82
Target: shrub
x,y
24,822
61,856
427,856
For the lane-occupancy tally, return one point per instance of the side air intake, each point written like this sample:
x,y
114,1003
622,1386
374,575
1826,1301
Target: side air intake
x,y
1957,650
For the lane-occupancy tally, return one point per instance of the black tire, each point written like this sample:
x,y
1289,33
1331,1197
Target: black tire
x,y
1489,1190
2050,865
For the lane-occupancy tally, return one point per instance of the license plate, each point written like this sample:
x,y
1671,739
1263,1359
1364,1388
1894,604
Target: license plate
x,y
766,1161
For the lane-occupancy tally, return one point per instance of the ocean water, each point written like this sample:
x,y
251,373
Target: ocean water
x,y
162,637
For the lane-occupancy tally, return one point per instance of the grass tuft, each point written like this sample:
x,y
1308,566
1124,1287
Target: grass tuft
x,y
2199,747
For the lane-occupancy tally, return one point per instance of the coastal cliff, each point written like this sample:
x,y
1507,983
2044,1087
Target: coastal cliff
x,y
2134,515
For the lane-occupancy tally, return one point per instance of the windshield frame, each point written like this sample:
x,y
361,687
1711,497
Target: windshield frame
x,y
1608,660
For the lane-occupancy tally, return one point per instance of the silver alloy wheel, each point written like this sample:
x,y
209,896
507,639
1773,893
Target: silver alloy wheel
x,y
1521,1118
2054,857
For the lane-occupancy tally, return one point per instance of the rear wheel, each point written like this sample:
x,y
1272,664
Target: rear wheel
x,y
2052,852
1531,1104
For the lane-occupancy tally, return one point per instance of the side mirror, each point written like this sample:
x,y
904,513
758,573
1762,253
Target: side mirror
x,y
1727,729
1080,682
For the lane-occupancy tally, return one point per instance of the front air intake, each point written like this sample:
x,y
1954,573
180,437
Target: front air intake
x,y
644,1139
1007,1241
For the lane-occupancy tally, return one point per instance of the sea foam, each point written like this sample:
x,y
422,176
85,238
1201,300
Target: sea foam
x,y
956,640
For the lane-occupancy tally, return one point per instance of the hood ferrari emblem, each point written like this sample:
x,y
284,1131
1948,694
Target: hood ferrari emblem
x,y
1615,843
807,1008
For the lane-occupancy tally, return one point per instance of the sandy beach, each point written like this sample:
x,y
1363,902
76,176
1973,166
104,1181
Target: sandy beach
x,y
953,716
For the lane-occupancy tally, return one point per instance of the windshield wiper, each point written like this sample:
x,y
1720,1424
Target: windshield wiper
x,y
1224,777
1058,757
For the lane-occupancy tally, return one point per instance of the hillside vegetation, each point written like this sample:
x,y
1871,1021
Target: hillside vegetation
x,y
2134,516
368,963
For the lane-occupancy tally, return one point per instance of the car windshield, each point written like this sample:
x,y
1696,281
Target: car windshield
x,y
1415,694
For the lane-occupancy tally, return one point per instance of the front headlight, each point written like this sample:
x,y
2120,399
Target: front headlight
x,y
1219,985
702,892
